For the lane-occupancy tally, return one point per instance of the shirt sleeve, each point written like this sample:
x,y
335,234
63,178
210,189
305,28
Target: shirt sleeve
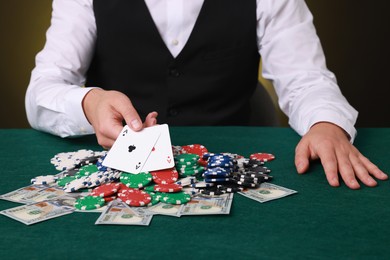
x,y
294,61
55,92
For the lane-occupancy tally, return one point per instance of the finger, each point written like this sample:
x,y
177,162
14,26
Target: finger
x,y
329,162
346,170
151,119
372,168
103,141
302,155
129,114
109,127
361,171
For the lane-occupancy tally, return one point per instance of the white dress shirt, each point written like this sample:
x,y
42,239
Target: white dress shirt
x,y
292,57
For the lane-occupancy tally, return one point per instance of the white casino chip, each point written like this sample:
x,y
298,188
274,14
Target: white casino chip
x,y
44,179
75,185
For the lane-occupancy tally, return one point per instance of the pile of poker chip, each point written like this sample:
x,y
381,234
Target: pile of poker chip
x,y
196,172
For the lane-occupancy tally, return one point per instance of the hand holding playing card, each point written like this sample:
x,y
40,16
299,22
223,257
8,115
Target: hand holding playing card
x,y
147,150
106,110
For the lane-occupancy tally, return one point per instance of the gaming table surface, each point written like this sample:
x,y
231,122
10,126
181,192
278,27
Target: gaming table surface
x,y
317,222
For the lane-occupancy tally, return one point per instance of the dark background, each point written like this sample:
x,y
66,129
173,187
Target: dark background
x,y
353,33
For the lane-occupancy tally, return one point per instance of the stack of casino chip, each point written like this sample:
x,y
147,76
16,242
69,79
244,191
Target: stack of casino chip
x,y
170,193
107,191
219,171
244,172
71,160
191,149
87,176
187,164
252,172
219,167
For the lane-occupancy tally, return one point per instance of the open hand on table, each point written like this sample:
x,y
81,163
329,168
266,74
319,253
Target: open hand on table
x,y
330,144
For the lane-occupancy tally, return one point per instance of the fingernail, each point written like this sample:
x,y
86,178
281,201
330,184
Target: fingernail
x,y
371,181
354,184
135,124
299,167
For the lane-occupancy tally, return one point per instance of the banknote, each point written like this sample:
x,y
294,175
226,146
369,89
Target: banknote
x,y
206,205
119,213
20,194
48,193
266,192
165,209
37,212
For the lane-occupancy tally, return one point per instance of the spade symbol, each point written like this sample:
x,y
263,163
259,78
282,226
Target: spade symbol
x,y
131,148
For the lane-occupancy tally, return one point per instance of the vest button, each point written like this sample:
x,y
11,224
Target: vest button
x,y
173,112
174,73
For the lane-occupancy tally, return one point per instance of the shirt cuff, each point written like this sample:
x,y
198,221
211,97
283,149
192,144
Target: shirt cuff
x,y
335,119
74,100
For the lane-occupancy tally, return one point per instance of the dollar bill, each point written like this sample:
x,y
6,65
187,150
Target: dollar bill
x,y
20,195
165,209
119,213
208,205
266,192
48,193
37,212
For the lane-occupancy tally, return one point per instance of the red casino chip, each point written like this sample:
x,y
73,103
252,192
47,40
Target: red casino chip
x,y
263,157
172,187
110,198
195,149
135,198
202,162
105,190
166,176
122,186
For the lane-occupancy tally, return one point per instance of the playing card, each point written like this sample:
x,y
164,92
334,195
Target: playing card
x,y
161,156
131,149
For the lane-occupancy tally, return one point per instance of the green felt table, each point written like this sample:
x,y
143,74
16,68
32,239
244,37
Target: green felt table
x,y
317,222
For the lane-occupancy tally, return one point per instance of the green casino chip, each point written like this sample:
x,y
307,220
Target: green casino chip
x,y
87,170
155,197
64,180
175,198
186,157
192,172
89,202
139,180
149,188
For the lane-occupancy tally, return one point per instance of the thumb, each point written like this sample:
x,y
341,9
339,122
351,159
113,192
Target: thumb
x,y
129,114
302,155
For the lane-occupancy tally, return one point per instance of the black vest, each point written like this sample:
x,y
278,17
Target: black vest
x,y
208,83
